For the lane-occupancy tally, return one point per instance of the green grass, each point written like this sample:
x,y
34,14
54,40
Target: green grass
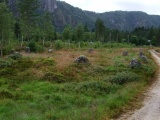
x,y
40,100
30,88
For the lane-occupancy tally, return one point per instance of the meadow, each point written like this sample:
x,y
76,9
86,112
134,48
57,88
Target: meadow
x,y
50,86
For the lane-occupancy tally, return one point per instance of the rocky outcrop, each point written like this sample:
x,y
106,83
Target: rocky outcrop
x,y
81,59
135,63
48,5
45,5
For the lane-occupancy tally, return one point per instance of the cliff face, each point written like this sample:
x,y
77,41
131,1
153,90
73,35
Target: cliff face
x,y
48,5
45,5
122,20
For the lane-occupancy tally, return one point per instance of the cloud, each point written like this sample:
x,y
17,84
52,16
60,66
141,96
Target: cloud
x,y
150,6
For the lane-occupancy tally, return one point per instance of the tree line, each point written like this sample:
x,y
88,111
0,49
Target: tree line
x,y
31,25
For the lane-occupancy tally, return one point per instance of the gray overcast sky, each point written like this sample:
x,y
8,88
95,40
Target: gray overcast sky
x,y
148,6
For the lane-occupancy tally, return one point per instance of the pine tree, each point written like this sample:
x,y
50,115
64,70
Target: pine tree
x,y
67,33
6,25
99,29
46,26
80,32
27,11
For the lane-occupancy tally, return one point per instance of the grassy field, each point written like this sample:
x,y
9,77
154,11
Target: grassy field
x,y
52,87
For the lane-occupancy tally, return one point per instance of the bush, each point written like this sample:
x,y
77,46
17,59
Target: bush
x,y
118,45
32,46
91,88
58,44
54,77
6,94
6,63
97,45
123,77
149,70
26,75
48,61
8,47
15,56
35,47
7,72
47,43
39,48
24,64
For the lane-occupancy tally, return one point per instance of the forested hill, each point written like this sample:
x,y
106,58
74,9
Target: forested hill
x,y
66,14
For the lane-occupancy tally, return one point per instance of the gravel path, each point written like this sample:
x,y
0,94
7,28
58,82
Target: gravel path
x,y
151,105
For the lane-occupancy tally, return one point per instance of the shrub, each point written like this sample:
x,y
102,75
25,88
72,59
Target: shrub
x,y
48,62
7,72
15,56
58,44
39,48
41,62
47,44
123,77
83,44
24,64
91,88
35,47
32,45
8,47
97,45
99,69
6,63
26,75
149,70
54,77
6,94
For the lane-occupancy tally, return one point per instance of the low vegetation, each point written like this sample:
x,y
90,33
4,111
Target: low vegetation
x,y
50,86
40,85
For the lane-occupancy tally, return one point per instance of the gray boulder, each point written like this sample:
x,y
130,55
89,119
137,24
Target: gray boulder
x,y
140,53
81,59
27,50
12,51
144,58
50,50
90,51
125,53
135,63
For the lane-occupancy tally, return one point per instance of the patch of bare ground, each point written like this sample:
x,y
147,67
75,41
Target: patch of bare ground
x,y
64,58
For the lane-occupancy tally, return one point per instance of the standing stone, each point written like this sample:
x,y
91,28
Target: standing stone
x,y
90,51
142,56
135,63
12,51
82,59
50,50
125,53
27,50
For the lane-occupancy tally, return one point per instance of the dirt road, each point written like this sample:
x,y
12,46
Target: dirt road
x,y
151,105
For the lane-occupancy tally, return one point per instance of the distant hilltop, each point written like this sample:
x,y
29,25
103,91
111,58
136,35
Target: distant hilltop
x,y
64,14
46,5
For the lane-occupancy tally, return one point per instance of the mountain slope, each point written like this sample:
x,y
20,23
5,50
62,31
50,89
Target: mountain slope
x,y
66,14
